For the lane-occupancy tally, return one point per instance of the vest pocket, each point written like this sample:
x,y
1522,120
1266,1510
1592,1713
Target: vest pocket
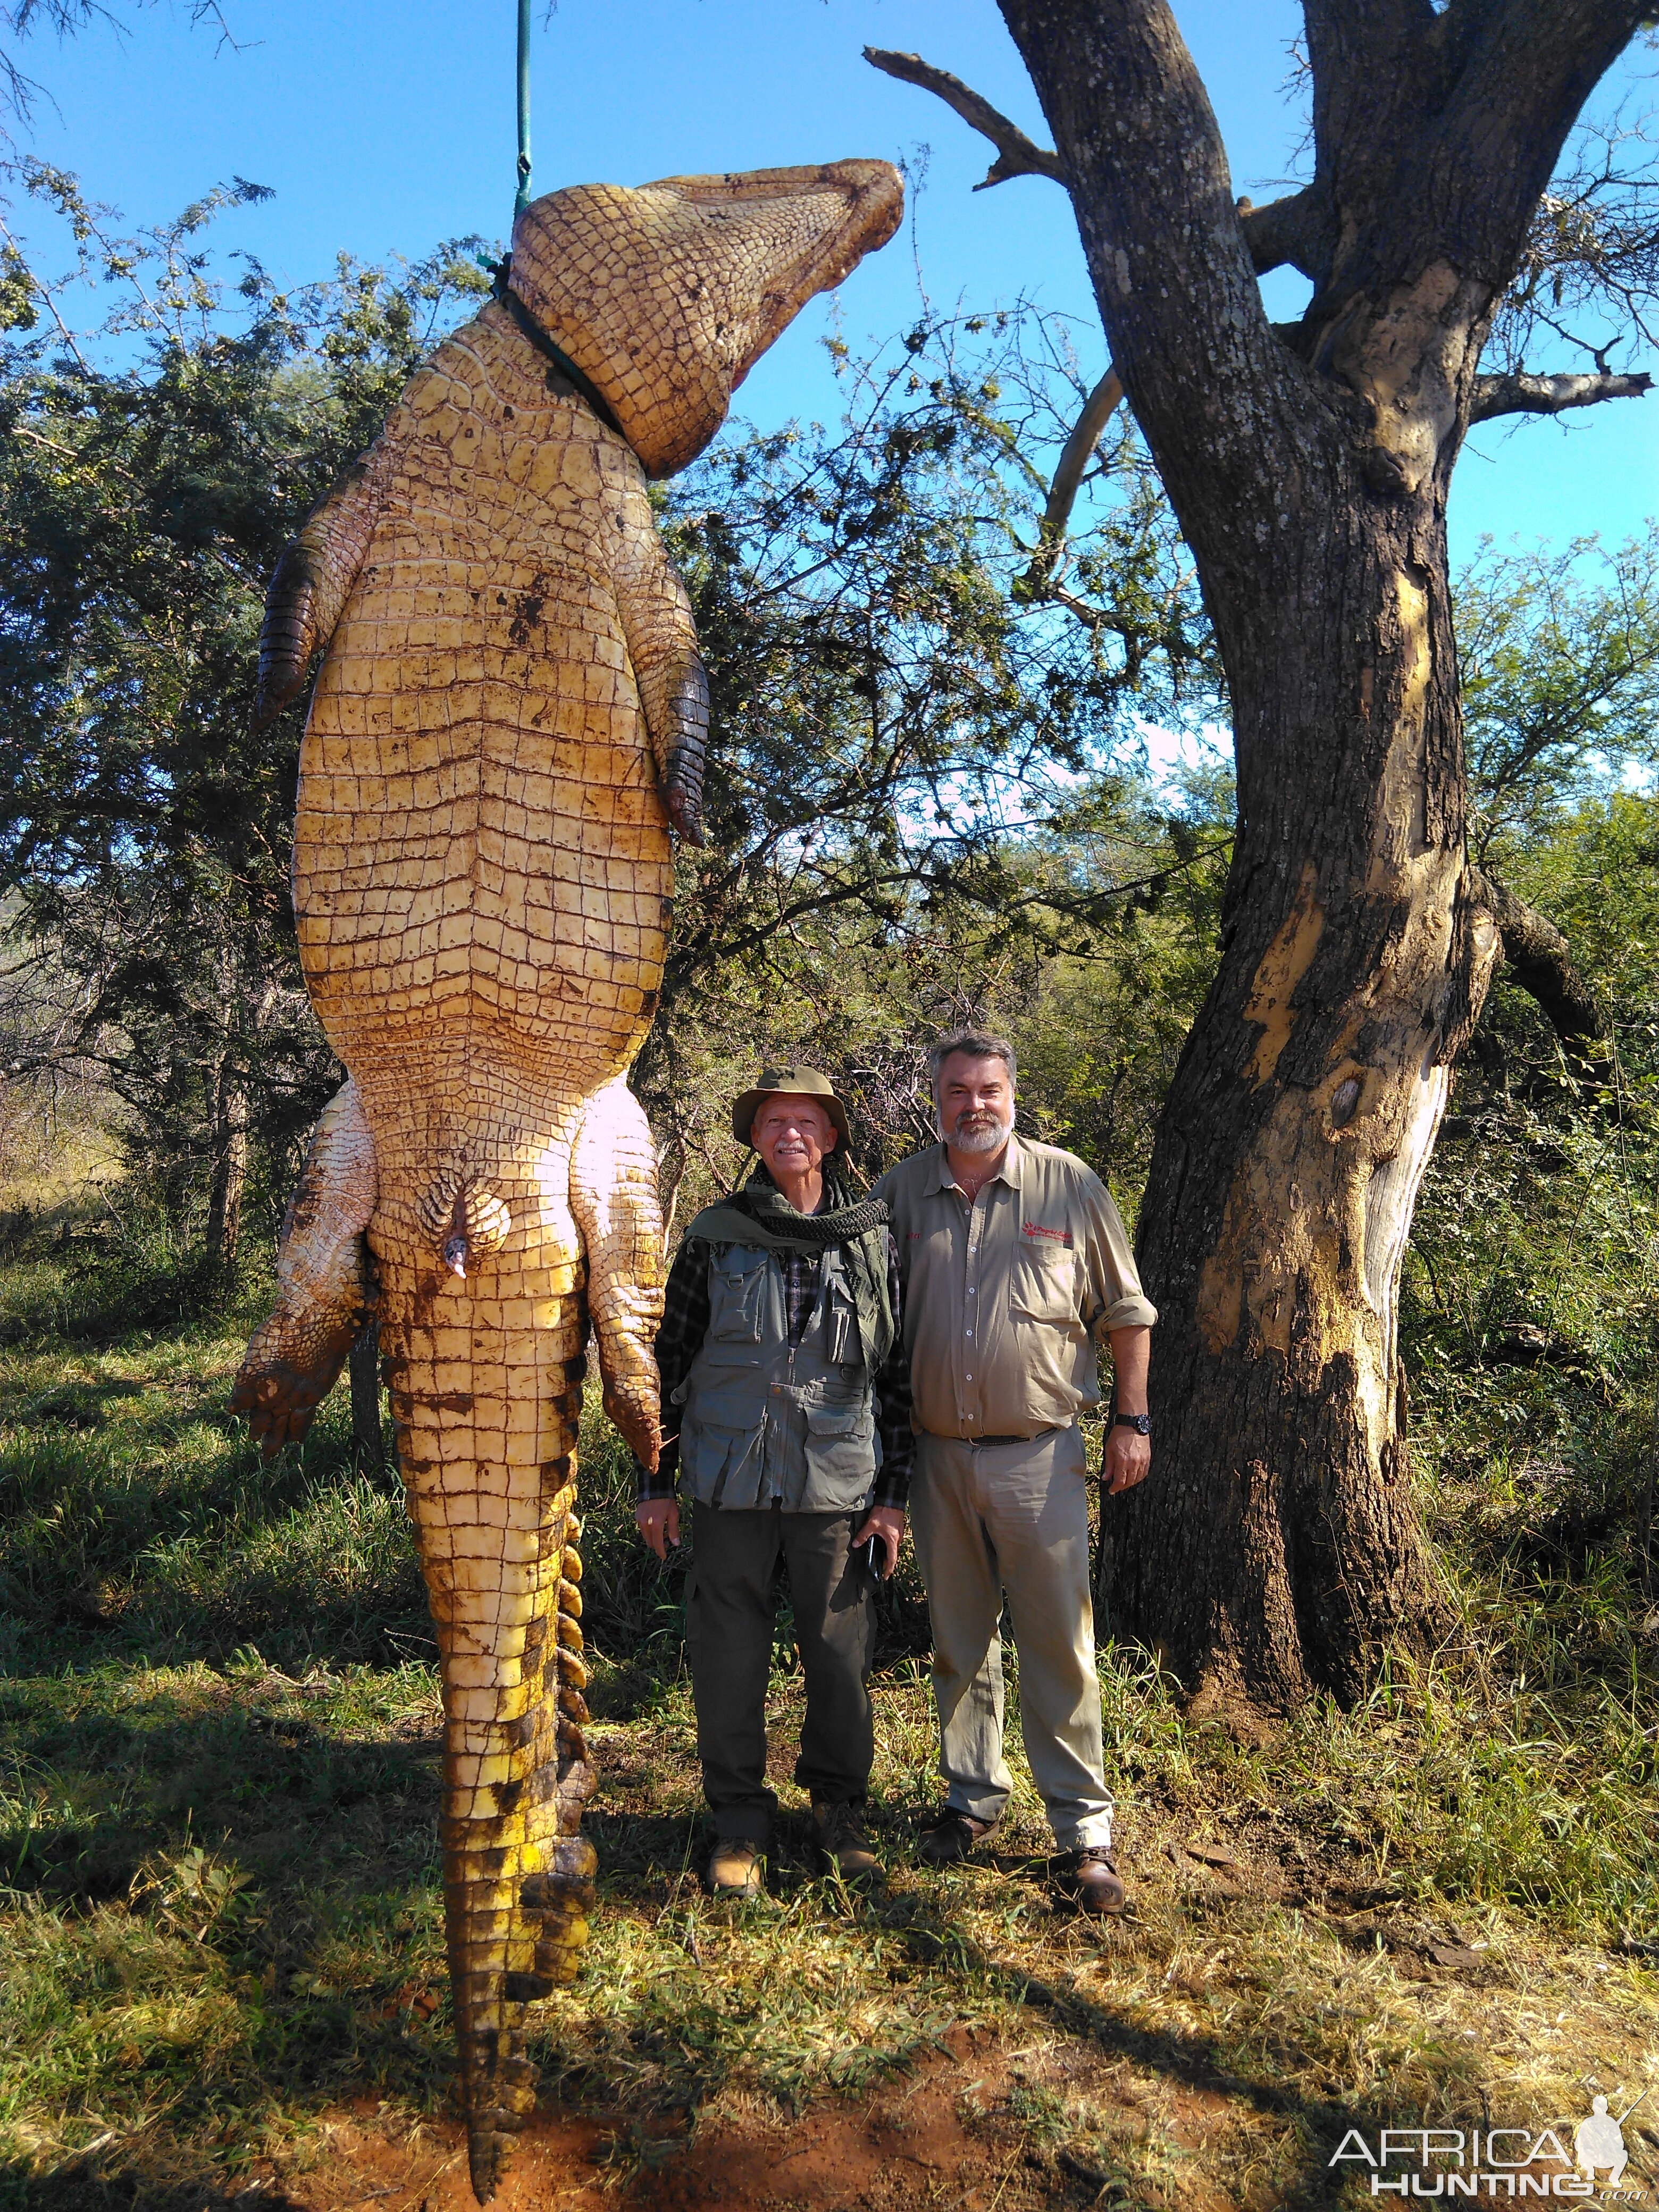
x,y
737,1279
720,1466
840,1445
840,1328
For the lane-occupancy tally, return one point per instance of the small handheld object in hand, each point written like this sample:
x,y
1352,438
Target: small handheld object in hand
x,y
875,1557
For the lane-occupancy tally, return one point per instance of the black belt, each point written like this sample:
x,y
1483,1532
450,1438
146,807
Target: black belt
x,y
1009,1440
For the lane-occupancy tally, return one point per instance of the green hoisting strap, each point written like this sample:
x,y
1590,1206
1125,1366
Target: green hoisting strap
x,y
523,200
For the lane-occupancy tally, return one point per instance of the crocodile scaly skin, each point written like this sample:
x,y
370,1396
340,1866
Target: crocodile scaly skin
x,y
510,716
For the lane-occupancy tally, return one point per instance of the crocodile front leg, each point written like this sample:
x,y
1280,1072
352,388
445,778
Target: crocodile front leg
x,y
315,571
662,648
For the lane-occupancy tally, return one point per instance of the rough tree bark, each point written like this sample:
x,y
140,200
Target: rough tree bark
x,y
1309,469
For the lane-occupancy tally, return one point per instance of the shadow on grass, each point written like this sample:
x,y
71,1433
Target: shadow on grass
x,y
101,1780
84,2187
932,1938
230,1915
140,1525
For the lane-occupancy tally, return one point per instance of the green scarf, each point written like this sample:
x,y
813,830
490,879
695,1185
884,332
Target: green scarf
x,y
760,1215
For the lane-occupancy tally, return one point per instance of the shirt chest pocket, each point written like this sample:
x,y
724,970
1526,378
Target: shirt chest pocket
x,y
1043,1286
736,1289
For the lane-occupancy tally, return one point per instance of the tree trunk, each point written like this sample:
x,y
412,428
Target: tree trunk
x,y
1281,1542
1308,466
1277,1543
229,1175
367,1436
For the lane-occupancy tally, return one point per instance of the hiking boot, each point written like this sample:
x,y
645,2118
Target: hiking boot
x,y
1088,1880
737,1867
843,1846
952,1837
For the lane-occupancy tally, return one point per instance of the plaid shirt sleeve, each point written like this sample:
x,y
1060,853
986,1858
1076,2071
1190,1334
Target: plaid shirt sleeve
x,y
684,1324
893,1424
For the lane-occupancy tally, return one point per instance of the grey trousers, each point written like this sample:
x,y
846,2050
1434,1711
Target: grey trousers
x,y
990,1519
729,1604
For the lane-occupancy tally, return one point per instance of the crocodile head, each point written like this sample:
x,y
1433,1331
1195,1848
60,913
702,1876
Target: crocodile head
x,y
666,296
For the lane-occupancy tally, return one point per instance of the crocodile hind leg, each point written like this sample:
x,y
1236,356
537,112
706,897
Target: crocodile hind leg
x,y
322,1282
613,1196
485,1375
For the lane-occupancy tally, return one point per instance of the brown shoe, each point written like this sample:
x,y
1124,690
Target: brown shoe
x,y
843,1846
1088,1880
952,1837
737,1867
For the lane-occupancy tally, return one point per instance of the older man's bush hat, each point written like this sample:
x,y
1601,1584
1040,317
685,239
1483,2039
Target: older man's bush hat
x,y
795,1082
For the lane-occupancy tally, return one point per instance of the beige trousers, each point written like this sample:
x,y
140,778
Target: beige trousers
x,y
996,1520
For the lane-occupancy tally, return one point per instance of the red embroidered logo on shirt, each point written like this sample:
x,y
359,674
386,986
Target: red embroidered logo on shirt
x,y
1036,1229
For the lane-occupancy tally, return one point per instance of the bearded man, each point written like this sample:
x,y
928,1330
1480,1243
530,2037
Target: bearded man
x,y
1015,1266
781,1346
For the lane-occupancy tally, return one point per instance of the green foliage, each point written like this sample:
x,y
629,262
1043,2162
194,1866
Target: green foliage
x,y
221,1901
1559,655
922,763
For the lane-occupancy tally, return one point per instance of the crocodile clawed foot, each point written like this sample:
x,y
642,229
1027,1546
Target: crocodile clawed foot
x,y
638,1421
289,1369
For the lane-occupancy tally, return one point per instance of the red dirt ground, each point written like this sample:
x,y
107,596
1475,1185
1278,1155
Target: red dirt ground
x,y
936,2137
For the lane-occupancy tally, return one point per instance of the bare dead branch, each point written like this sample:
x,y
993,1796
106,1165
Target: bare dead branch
x,y
1017,154
1522,394
1539,960
1086,432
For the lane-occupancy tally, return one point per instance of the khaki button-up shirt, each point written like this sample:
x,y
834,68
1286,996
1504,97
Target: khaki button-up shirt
x,y
1003,1300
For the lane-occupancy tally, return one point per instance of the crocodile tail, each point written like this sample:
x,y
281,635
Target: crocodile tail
x,y
486,1412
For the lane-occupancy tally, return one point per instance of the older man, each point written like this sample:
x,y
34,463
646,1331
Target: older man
x,y
782,1346
1015,1265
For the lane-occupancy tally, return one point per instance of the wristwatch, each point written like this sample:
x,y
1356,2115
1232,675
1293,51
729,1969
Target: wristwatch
x,y
1141,1423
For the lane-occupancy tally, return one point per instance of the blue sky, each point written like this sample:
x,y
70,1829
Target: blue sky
x,y
383,128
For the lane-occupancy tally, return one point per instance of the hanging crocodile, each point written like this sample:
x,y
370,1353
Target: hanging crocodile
x,y
509,719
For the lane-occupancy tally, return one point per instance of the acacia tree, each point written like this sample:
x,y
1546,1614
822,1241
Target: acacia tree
x,y
1307,465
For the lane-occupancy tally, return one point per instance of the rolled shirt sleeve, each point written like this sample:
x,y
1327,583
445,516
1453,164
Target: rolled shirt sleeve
x,y
1115,1291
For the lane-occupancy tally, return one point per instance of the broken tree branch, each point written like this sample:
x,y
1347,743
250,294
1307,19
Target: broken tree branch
x,y
1098,410
1017,154
1539,960
1292,232
1522,394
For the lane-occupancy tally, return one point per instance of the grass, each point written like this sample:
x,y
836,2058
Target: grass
x,y
221,1895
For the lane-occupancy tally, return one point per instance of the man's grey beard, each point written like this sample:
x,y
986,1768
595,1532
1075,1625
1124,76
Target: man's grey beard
x,y
977,1140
